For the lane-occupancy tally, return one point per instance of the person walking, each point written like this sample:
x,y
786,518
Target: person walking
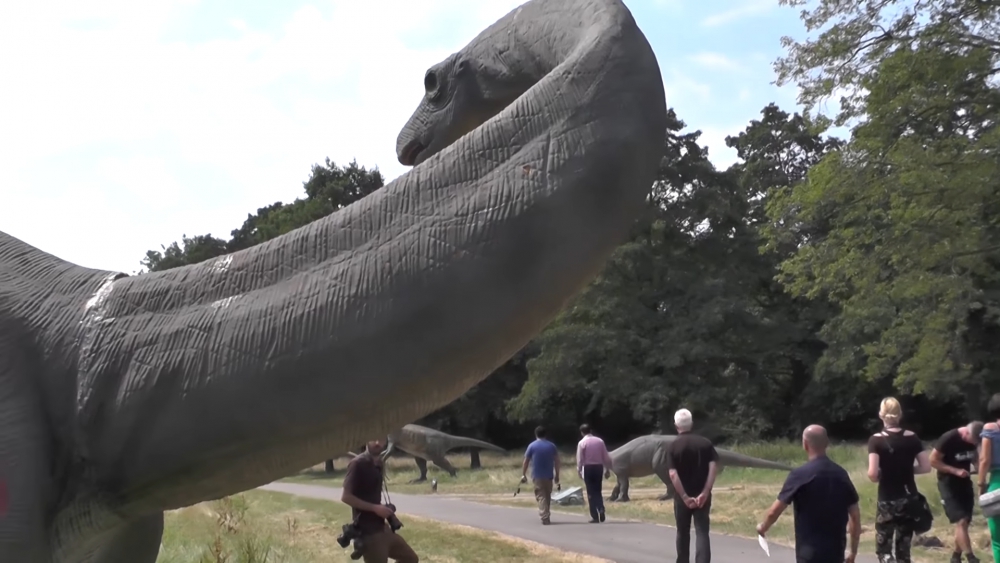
x,y
952,457
891,453
593,460
824,501
989,466
693,467
544,459
362,491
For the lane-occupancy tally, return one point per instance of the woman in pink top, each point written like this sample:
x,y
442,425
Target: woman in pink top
x,y
591,457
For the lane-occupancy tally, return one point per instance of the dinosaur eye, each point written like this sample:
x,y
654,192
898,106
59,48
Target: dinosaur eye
x,y
430,82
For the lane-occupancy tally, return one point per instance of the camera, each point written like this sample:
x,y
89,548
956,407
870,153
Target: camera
x,y
350,533
394,522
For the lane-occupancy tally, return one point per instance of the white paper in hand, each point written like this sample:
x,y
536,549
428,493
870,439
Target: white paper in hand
x,y
763,544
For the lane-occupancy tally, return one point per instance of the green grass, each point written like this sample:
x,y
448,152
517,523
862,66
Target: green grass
x,y
742,496
270,527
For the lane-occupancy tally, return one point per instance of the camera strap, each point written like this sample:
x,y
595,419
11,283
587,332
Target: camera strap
x,y
385,488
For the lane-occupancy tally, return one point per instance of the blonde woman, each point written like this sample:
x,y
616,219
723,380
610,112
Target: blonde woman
x,y
891,454
989,465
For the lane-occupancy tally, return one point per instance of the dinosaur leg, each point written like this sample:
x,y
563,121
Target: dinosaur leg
x,y
26,490
665,477
442,462
422,466
474,462
620,492
136,542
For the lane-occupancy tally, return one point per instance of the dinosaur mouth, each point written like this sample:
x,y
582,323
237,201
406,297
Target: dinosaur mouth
x,y
408,156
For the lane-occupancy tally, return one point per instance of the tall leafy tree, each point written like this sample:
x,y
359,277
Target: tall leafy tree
x,y
908,245
679,316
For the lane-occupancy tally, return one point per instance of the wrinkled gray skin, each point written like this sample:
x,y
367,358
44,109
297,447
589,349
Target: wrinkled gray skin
x,y
122,397
649,455
428,444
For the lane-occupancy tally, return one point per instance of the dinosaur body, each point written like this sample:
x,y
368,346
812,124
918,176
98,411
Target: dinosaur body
x,y
426,444
649,455
533,150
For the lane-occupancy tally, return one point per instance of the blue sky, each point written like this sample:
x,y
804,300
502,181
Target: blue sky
x,y
124,125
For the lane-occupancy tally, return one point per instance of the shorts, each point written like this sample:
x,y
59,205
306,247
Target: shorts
x,y
958,498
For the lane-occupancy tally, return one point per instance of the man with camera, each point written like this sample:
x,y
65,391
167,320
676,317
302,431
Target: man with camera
x,y
374,526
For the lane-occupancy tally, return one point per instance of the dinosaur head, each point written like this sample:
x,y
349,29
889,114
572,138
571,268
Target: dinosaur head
x,y
460,93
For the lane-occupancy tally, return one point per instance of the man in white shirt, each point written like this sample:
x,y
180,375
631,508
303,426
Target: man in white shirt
x,y
592,456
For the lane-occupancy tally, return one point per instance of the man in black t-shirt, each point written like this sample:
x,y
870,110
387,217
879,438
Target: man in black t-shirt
x,y
825,502
693,467
362,491
952,456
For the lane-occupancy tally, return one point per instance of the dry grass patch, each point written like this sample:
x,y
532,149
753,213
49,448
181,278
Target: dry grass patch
x,y
270,527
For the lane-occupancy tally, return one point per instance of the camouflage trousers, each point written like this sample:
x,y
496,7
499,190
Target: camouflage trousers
x,y
893,532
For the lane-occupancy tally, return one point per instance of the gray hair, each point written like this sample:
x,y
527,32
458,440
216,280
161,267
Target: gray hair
x,y
683,419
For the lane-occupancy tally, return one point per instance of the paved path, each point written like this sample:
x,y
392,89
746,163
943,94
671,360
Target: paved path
x,y
624,542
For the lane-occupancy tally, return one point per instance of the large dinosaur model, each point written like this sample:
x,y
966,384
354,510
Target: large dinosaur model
x,y
428,444
534,149
648,455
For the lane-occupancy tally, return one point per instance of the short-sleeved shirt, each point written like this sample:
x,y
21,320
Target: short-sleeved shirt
x,y
956,452
690,455
364,480
542,454
896,453
820,492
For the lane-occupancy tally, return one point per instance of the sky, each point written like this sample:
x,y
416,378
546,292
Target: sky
x,y
125,125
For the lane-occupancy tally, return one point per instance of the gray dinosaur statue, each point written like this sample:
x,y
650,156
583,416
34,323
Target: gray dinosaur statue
x,y
533,148
648,455
428,444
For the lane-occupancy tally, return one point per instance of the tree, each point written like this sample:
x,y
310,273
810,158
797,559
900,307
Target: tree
x,y
677,317
328,189
908,252
861,34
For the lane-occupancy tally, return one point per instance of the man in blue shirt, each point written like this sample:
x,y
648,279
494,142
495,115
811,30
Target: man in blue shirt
x,y
544,459
825,501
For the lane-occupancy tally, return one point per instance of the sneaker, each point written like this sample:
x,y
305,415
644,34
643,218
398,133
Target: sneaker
x,y
956,557
545,522
601,515
971,558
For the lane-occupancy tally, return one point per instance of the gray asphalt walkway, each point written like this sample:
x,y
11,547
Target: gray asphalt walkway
x,y
616,540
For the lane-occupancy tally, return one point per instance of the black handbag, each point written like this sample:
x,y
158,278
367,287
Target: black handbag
x,y
919,512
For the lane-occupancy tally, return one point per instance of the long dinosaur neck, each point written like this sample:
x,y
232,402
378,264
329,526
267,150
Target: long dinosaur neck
x,y
217,377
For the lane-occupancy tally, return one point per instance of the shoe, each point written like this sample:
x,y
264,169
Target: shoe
x,y
956,557
971,558
601,515
545,522
593,521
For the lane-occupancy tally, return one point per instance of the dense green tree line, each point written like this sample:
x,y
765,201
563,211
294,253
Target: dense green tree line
x,y
799,285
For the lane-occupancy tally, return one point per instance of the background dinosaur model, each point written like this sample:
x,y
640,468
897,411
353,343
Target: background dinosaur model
x,y
533,149
647,455
428,444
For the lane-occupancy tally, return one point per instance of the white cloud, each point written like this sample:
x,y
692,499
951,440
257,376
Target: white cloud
x,y
715,61
679,87
748,8
200,133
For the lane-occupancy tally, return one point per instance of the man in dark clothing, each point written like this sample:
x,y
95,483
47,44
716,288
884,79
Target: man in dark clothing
x,y
825,502
693,467
953,456
362,491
